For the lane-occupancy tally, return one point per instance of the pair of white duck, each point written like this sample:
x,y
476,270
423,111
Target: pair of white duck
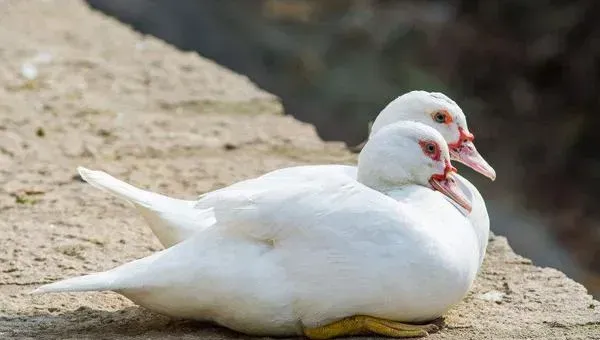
x,y
324,251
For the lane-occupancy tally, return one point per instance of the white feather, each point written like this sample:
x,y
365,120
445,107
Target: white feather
x,y
170,219
282,257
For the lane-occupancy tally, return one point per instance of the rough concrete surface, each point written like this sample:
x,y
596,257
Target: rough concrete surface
x,y
77,88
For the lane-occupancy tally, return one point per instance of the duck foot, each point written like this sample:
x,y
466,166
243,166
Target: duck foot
x,y
367,325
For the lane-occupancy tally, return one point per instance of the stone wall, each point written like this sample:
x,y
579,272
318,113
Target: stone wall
x,y
79,88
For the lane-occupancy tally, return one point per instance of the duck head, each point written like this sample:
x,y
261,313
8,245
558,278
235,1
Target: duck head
x,y
406,153
443,114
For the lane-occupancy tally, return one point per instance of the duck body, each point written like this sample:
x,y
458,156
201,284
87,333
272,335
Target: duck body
x,y
282,255
174,220
478,216
291,257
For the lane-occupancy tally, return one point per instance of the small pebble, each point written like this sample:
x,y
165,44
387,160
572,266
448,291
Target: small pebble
x,y
29,71
230,146
493,296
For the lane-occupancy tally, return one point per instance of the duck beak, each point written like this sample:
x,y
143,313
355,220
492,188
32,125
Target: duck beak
x,y
464,151
446,184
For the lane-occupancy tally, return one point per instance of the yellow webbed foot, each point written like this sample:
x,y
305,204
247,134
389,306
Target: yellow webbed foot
x,y
365,325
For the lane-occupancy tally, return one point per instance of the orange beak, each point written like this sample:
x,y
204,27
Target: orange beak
x,y
446,184
464,151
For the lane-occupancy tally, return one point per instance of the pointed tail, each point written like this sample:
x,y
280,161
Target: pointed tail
x,y
171,220
106,182
92,282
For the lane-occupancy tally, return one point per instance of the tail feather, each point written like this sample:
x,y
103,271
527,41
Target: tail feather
x,y
106,182
132,275
171,220
92,282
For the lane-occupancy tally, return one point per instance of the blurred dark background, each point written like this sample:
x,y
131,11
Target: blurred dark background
x,y
526,74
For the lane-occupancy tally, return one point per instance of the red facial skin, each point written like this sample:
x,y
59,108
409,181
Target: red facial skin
x,y
436,154
447,116
462,138
443,182
447,169
463,135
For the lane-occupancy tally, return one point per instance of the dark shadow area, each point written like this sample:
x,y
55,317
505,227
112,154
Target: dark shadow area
x,y
525,73
132,322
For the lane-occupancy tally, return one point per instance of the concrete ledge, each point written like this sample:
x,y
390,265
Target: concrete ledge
x,y
79,88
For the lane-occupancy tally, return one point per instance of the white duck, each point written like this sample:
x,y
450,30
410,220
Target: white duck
x,y
174,220
327,256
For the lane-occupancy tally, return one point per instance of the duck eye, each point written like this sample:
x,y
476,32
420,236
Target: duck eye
x,y
431,149
440,117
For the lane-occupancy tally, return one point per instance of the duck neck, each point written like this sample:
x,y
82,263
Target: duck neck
x,y
377,181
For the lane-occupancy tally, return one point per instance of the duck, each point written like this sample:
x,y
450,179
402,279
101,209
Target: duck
x,y
383,253
174,220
